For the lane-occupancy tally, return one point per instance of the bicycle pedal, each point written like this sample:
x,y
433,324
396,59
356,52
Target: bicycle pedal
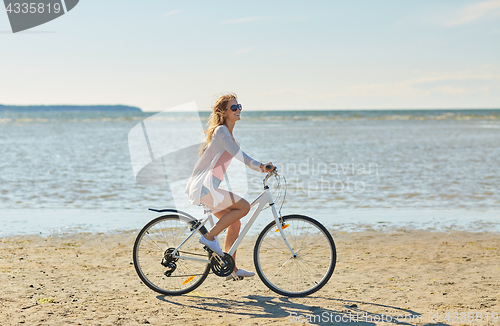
x,y
230,278
211,252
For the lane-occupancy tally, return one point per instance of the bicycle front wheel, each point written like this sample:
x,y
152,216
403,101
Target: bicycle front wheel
x,y
313,264
163,272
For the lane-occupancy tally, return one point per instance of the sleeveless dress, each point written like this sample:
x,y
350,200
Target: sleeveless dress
x,y
210,167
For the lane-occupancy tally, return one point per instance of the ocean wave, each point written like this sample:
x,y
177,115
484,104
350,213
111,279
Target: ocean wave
x,y
379,115
257,116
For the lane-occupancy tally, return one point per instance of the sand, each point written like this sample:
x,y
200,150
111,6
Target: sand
x,y
89,279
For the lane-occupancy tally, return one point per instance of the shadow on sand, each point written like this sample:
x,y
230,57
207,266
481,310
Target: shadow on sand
x,y
254,306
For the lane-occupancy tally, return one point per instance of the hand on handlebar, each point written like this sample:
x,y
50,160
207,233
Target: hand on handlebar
x,y
268,167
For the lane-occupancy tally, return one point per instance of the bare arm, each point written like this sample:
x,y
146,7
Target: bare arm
x,y
222,135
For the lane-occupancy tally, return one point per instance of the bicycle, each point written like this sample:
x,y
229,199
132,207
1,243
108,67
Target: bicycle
x,y
294,255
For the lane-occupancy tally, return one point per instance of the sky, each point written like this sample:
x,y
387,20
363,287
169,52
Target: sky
x,y
275,55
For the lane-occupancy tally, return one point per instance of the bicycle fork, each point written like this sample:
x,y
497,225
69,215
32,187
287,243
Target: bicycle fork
x,y
279,221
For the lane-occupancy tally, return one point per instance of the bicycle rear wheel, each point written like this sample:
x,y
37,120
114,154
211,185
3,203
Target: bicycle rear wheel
x,y
296,276
159,270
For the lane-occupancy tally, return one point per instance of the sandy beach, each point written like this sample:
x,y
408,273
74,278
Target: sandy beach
x,y
89,279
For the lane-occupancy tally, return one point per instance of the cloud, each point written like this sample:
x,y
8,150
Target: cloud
x,y
300,19
432,84
463,77
280,53
474,12
243,51
244,20
173,12
282,91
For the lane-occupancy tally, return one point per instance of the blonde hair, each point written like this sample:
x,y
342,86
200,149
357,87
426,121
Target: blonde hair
x,y
216,118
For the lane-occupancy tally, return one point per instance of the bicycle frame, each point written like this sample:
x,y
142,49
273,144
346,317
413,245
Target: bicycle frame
x,y
261,200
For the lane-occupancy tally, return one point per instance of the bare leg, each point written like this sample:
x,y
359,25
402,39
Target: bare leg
x,y
233,231
229,212
235,207
232,234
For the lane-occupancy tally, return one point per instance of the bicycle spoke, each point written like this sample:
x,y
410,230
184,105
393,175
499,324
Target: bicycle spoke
x,y
154,242
305,273
169,232
300,275
281,267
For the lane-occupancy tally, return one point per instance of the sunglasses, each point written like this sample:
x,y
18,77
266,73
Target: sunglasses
x,y
236,107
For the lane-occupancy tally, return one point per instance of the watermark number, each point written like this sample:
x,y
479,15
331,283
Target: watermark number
x,y
33,8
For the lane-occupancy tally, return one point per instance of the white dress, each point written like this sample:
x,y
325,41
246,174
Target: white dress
x,y
202,172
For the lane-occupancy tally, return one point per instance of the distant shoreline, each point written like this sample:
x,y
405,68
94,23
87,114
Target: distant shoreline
x,y
52,108
127,108
274,111
354,113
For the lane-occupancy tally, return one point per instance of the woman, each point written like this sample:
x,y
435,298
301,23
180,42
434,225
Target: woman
x,y
215,155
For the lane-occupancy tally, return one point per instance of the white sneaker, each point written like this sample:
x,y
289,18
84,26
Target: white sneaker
x,y
213,245
240,273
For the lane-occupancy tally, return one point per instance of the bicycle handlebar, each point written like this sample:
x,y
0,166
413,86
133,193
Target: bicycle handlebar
x,y
270,173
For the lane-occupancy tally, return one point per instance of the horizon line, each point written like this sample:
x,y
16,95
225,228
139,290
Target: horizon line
x,y
350,109
254,110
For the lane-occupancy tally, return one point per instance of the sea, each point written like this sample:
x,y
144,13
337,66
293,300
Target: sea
x,y
76,171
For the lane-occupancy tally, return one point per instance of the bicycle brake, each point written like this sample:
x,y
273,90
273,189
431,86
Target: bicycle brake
x,y
194,226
